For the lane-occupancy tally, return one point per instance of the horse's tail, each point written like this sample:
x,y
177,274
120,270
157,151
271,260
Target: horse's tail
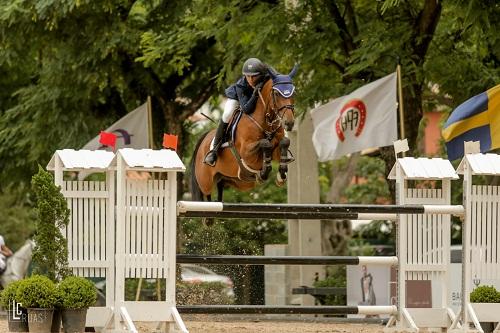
x,y
196,193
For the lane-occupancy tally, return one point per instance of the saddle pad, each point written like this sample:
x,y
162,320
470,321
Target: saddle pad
x,y
232,130
233,126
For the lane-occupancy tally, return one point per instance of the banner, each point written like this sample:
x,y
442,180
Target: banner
x,y
366,118
131,131
477,119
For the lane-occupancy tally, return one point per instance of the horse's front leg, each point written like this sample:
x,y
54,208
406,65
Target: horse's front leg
x,y
267,152
284,160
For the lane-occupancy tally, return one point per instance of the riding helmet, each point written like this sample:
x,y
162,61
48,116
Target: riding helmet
x,y
253,66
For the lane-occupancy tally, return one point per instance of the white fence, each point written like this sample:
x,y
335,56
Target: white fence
x,y
143,229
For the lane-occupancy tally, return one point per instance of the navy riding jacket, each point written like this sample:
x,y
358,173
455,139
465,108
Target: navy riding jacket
x,y
243,93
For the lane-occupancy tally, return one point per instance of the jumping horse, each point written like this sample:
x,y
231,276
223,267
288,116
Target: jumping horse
x,y
258,139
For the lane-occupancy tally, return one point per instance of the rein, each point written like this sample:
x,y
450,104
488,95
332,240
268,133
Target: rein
x,y
272,115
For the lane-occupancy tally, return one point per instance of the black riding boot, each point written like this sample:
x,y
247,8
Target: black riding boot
x,y
211,157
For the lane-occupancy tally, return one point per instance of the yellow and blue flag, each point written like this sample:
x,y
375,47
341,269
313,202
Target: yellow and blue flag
x,y
477,119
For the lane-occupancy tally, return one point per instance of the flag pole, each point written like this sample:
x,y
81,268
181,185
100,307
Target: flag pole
x,y
401,109
150,123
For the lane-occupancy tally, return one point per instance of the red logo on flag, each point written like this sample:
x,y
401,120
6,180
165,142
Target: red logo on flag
x,y
352,118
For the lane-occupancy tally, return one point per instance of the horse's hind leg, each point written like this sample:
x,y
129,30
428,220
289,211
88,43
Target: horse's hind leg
x,y
267,151
284,160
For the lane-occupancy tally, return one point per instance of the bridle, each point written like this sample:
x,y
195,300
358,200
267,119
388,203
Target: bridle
x,y
273,114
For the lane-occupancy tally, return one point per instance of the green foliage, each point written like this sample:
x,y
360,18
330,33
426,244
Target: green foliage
x,y
86,65
9,294
336,277
17,218
36,291
375,232
208,293
76,293
485,294
372,185
50,256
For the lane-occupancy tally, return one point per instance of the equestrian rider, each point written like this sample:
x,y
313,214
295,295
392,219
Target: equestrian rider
x,y
244,93
5,252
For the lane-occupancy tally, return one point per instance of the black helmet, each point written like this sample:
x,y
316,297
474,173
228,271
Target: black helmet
x,y
253,66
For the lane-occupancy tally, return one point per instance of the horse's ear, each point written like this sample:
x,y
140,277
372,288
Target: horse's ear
x,y
272,72
294,71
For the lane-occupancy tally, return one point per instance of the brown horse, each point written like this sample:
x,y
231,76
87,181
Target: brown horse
x,y
259,138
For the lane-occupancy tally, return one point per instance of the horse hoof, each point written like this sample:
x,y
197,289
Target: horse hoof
x,y
279,184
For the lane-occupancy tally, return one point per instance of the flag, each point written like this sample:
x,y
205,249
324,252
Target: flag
x,y
131,131
170,141
107,139
477,119
366,118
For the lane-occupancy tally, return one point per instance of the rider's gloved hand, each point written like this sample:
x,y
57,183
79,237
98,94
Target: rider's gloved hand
x,y
258,87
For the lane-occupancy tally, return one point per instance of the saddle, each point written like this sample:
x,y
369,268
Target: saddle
x,y
230,134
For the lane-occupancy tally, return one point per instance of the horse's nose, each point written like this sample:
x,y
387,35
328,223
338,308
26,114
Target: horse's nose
x,y
288,125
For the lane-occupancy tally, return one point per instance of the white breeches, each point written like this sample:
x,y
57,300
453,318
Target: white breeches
x,y
229,107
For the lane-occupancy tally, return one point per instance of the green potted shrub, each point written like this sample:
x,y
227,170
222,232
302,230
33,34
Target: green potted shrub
x,y
50,255
485,300
37,293
17,315
77,294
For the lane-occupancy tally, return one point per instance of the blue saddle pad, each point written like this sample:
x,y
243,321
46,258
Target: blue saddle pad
x,y
232,128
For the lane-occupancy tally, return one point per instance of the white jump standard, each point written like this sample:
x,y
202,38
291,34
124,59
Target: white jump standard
x,y
142,224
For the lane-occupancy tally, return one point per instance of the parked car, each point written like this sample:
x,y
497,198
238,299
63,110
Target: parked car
x,y
196,274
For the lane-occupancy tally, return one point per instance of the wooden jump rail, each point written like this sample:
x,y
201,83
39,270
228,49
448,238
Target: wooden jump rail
x,y
286,260
308,211
291,309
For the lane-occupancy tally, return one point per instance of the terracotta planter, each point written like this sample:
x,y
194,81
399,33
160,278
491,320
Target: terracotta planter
x,y
40,320
73,320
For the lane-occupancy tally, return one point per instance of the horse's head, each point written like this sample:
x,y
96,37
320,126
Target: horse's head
x,y
282,97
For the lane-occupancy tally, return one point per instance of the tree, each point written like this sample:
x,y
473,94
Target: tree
x,y
88,63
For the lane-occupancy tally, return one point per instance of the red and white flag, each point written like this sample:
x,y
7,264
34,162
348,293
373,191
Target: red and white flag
x,y
366,118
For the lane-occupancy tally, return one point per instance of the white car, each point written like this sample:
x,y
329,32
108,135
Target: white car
x,y
196,274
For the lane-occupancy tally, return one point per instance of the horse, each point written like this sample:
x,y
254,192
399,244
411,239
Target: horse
x,y
258,139
17,264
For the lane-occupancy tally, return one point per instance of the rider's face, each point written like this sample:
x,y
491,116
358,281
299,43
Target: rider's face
x,y
252,80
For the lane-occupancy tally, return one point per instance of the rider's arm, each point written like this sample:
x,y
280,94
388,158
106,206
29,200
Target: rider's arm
x,y
5,251
247,104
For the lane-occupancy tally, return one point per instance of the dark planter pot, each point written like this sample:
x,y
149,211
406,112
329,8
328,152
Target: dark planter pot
x,y
487,327
18,322
73,320
56,321
40,320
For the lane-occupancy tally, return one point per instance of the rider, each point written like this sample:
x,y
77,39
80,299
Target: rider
x,y
5,252
244,93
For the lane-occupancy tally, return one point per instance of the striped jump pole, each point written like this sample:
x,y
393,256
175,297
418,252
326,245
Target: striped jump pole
x,y
292,309
286,260
308,211
290,215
